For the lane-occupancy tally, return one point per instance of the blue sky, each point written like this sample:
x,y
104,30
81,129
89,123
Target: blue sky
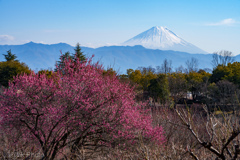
x,y
212,25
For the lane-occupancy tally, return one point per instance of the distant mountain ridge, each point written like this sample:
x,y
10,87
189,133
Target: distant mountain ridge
x,y
36,55
164,39
44,56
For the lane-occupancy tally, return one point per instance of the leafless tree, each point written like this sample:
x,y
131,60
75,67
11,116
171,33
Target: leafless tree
x,y
180,69
192,65
166,67
222,58
221,135
145,70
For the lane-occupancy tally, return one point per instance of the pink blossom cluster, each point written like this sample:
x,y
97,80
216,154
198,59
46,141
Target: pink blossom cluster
x,y
77,102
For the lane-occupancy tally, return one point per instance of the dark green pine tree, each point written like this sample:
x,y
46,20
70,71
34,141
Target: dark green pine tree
x,y
64,56
9,56
79,54
10,68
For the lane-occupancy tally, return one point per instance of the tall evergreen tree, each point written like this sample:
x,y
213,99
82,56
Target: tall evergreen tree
x,y
10,68
63,57
79,53
9,56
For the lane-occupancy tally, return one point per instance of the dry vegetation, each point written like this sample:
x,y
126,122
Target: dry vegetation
x,y
190,134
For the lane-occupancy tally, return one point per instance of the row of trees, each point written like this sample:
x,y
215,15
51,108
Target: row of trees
x,y
163,85
218,58
160,83
11,67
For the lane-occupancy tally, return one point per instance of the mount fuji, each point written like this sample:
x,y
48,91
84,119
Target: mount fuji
x,y
163,39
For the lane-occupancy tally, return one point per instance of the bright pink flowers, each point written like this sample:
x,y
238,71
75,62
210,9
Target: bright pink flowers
x,y
76,105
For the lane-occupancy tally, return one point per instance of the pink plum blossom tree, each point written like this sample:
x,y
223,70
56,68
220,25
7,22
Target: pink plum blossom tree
x,y
77,106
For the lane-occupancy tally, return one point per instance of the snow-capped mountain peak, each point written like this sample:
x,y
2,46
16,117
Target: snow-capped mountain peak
x,y
164,39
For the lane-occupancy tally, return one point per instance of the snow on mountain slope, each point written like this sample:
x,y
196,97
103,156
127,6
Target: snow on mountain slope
x,y
163,39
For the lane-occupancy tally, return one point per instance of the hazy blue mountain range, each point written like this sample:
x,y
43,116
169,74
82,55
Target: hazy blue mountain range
x,y
36,55
42,56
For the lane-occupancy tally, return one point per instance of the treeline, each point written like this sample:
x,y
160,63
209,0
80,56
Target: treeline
x,y
162,84
189,85
11,67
